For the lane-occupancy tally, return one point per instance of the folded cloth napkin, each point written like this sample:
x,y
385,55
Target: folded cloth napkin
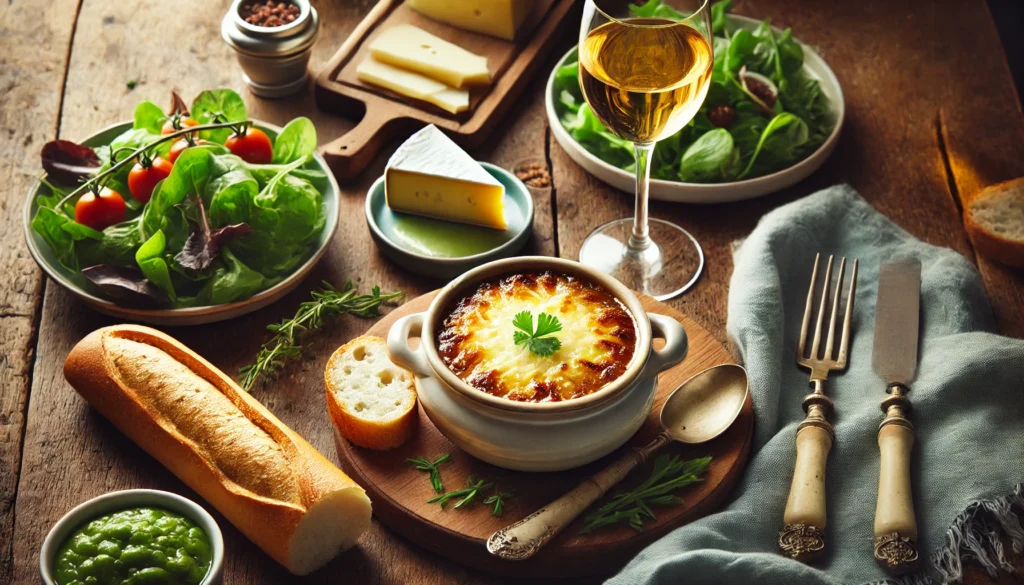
x,y
968,411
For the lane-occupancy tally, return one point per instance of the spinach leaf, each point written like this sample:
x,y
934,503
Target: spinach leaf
x,y
741,50
708,157
780,144
719,12
150,258
231,281
116,245
190,175
655,9
297,140
149,117
588,131
50,225
218,105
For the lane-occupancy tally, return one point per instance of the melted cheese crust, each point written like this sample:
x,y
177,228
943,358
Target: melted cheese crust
x,y
598,338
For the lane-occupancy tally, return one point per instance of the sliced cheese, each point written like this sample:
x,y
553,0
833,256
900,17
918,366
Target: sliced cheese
x,y
498,18
413,85
415,49
430,175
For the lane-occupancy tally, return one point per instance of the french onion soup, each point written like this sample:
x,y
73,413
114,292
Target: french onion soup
x,y
538,337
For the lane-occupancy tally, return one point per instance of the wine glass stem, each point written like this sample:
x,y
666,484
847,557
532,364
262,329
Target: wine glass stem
x,y
639,240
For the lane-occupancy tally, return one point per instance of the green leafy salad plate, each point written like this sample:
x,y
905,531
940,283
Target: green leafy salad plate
x,y
772,116
217,237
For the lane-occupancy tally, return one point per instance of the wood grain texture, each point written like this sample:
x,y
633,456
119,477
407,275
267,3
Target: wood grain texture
x,y
898,64
31,84
400,492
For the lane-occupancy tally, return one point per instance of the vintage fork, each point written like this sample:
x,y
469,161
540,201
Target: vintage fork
x,y
803,536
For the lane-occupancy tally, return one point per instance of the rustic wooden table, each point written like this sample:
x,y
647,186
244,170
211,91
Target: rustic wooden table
x,y
932,116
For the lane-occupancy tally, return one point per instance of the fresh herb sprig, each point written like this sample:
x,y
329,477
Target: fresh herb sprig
x,y
498,501
669,475
468,494
540,341
327,303
424,464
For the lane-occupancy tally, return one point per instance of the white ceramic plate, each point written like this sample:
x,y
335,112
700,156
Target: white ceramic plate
x,y
715,192
44,257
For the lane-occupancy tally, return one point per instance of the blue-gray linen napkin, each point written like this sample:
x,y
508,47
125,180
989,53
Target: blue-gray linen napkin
x,y
968,411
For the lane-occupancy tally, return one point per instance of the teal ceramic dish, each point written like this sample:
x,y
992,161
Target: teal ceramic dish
x,y
443,249
80,287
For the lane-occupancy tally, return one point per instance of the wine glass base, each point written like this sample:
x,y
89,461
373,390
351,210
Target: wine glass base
x,y
666,268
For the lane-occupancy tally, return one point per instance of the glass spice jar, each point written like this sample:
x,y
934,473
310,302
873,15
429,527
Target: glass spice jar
x,y
273,58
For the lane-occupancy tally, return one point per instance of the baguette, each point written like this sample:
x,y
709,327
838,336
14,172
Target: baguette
x,y
370,399
995,222
263,477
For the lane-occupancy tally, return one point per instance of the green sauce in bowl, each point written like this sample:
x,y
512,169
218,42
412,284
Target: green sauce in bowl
x,y
135,547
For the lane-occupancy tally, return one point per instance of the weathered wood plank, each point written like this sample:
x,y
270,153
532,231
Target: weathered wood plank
x,y
31,84
71,452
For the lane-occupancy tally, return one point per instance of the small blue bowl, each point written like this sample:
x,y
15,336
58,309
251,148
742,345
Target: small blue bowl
x,y
405,238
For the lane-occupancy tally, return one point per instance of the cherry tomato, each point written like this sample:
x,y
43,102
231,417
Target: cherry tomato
x,y
173,124
252,146
100,211
142,178
180,145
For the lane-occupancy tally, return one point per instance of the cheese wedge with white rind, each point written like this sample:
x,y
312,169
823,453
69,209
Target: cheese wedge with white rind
x,y
430,175
498,18
413,85
415,49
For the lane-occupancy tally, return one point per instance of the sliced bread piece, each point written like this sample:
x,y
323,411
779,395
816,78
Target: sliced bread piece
x,y
995,222
371,400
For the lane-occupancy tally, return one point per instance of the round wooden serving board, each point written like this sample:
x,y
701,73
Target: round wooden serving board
x,y
400,493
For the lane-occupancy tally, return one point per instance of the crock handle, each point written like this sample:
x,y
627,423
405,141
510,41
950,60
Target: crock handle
x,y
676,344
398,345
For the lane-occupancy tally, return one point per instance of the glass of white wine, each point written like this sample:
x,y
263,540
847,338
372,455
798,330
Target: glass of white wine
x,y
645,70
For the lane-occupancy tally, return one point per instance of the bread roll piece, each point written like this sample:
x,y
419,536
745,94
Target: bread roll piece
x,y
268,481
371,400
995,222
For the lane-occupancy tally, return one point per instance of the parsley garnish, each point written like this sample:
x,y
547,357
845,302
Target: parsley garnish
x,y
538,340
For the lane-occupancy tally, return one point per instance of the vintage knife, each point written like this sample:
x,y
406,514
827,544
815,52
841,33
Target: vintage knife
x,y
894,357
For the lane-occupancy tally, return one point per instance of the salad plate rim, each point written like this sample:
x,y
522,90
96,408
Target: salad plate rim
x,y
185,315
706,193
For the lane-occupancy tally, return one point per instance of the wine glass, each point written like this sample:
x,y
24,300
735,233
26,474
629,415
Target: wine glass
x,y
644,71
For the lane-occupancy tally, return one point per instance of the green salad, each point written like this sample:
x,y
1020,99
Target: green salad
x,y
189,208
763,111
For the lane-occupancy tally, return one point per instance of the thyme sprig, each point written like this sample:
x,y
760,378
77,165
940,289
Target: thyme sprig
x,y
468,494
327,303
424,464
669,475
498,501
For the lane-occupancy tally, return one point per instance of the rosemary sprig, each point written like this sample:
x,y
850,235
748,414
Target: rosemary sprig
x,y
669,475
468,494
327,303
424,464
498,500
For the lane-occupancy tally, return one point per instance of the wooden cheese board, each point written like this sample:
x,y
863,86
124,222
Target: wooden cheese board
x,y
399,492
384,115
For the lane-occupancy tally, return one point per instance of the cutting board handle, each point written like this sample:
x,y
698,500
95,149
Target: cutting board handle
x,y
350,154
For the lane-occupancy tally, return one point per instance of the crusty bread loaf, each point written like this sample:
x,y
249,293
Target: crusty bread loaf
x,y
268,481
371,400
995,222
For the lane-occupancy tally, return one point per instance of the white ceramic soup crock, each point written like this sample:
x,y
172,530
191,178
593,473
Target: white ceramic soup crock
x,y
526,436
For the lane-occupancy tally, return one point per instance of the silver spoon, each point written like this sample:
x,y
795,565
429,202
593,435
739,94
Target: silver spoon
x,y
699,410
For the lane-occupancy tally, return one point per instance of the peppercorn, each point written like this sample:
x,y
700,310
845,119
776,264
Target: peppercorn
x,y
269,13
534,174
722,115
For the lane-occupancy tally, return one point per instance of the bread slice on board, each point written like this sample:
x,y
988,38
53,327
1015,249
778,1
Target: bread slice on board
x,y
195,420
995,222
371,400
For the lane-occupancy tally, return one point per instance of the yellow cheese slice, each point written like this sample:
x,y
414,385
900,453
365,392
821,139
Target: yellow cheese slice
x,y
430,175
498,18
413,85
415,49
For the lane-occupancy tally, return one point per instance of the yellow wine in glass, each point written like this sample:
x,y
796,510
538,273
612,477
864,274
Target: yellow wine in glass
x,y
645,78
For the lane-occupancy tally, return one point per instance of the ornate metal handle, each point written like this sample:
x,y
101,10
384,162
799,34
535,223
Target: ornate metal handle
x,y
803,536
521,540
895,521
